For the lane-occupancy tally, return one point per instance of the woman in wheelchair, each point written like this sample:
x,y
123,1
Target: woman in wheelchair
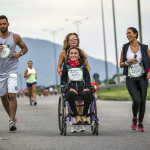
x,y
76,75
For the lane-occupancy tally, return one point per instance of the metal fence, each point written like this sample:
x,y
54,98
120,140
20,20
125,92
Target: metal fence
x,y
110,86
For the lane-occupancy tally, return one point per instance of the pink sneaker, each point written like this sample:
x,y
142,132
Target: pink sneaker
x,y
134,124
141,128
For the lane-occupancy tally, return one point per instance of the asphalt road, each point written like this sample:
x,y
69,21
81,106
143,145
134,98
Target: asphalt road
x,y
37,128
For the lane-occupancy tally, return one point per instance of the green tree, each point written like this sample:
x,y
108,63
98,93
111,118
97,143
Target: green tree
x,y
96,78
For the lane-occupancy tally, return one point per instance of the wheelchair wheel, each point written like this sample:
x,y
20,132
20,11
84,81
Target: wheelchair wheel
x,y
96,128
65,129
95,108
93,128
95,113
61,114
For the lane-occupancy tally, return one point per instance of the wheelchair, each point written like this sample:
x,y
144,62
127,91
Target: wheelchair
x,y
64,112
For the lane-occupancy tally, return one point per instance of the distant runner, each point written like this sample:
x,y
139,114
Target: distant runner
x,y
30,74
94,83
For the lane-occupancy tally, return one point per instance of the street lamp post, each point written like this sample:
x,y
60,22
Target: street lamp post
x,y
115,38
54,32
139,20
77,23
54,46
104,40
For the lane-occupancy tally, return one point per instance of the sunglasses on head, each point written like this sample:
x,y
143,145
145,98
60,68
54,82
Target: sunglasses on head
x,y
71,39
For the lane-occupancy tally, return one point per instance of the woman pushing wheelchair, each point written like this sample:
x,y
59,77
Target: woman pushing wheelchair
x,y
76,75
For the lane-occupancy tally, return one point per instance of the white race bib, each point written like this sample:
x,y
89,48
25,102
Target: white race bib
x,y
75,74
135,70
6,52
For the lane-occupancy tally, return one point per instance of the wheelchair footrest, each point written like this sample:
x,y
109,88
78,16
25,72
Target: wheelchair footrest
x,y
78,124
81,124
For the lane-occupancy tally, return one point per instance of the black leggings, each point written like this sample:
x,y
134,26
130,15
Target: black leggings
x,y
137,88
87,100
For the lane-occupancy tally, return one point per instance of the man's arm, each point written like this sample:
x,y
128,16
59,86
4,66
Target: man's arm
x,y
21,44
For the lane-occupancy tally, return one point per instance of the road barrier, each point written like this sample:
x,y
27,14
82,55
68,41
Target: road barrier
x,y
110,86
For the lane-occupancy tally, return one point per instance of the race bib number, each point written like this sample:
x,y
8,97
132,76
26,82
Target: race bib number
x,y
75,74
135,70
6,52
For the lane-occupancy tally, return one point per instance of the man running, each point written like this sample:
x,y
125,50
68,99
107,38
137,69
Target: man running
x,y
9,69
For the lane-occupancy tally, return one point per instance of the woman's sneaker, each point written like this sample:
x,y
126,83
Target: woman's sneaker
x,y
35,103
84,120
134,124
78,120
141,127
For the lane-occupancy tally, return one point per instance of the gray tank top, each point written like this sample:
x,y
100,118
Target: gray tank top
x,y
8,65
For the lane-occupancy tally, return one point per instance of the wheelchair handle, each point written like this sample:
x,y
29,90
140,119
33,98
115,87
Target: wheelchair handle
x,y
64,86
92,87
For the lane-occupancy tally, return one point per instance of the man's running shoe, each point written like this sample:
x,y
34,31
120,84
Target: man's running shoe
x,y
35,103
12,126
134,124
141,127
15,120
73,129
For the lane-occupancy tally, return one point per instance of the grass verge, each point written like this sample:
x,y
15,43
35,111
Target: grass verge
x,y
117,94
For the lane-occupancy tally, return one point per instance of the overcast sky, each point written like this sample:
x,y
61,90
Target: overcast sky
x,y
28,18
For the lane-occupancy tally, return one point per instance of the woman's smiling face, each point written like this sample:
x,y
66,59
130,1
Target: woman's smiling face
x,y
74,55
131,35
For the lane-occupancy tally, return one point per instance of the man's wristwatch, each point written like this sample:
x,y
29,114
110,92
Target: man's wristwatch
x,y
21,53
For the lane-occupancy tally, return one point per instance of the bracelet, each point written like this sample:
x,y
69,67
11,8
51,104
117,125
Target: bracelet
x,y
126,62
60,72
21,53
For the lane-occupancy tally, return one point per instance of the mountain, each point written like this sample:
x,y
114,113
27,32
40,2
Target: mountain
x,y
41,52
